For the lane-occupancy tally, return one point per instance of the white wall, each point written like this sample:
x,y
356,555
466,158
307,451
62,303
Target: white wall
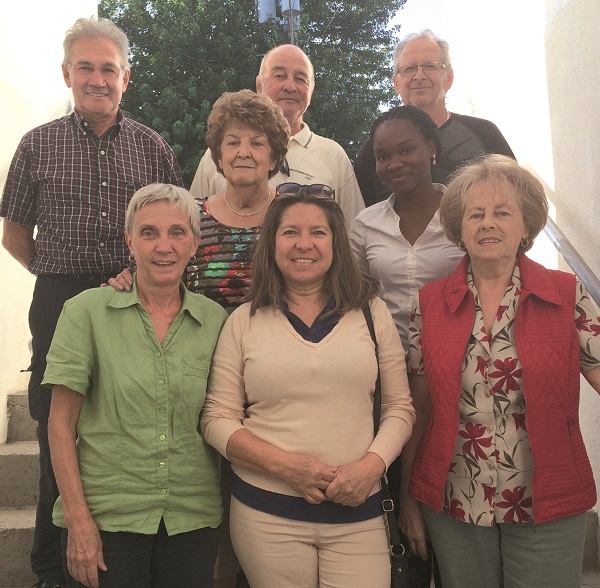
x,y
572,52
32,92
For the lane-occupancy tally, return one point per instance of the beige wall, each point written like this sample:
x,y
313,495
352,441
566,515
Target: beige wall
x,y
32,92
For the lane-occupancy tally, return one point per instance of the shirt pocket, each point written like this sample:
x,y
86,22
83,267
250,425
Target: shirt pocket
x,y
195,376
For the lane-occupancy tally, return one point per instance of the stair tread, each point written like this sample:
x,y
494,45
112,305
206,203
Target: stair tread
x,y
17,518
19,448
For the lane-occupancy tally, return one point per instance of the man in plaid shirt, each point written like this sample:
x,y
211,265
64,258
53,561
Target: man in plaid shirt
x,y
72,179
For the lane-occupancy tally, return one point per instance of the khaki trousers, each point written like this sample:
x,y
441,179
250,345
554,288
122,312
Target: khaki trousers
x,y
284,553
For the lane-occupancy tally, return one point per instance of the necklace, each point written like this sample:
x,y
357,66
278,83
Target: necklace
x,y
247,213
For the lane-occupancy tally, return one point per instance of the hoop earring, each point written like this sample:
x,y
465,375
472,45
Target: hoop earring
x,y
433,161
526,243
461,246
131,258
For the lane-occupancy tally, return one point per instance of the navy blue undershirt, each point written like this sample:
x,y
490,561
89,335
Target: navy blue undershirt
x,y
320,328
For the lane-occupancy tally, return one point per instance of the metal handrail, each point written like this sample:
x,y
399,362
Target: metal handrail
x,y
573,259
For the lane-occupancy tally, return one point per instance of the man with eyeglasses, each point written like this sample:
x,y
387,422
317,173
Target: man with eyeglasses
x,y
286,76
72,179
422,76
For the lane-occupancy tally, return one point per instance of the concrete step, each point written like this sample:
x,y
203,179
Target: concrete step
x,y
19,471
16,538
21,427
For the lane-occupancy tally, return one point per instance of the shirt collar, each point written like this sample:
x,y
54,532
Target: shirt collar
x,y
536,280
85,126
303,137
131,298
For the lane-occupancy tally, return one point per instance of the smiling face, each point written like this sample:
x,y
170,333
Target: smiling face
x,y
246,156
492,224
95,75
162,243
286,79
304,247
425,91
403,156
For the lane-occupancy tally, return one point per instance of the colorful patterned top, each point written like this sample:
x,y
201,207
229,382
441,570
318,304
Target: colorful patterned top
x,y
221,267
491,471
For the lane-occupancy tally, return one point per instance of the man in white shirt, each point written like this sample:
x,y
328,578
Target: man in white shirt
x,y
287,76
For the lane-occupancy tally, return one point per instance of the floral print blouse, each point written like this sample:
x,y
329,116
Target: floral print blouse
x,y
491,472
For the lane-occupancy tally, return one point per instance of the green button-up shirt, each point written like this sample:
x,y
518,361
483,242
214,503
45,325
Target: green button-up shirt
x,y
141,456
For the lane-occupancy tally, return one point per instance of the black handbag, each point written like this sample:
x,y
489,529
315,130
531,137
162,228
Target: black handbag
x,y
403,576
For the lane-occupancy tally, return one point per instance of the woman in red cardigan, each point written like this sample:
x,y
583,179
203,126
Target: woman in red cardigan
x,y
500,475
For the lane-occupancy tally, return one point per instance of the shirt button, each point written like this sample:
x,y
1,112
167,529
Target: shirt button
x,y
491,465
486,394
163,491
102,152
162,437
490,429
161,382
104,183
162,464
103,213
162,410
101,244
157,354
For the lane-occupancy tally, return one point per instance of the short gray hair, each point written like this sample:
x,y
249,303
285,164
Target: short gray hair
x,y
426,34
97,28
180,197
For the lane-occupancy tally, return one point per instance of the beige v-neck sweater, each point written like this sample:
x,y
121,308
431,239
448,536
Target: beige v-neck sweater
x,y
303,397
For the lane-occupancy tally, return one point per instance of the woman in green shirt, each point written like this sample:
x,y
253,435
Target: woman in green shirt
x,y
139,493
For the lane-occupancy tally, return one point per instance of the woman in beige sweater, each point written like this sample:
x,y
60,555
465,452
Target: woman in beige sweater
x,y
290,404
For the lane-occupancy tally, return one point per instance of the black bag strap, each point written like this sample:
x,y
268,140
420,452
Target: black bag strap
x,y
386,500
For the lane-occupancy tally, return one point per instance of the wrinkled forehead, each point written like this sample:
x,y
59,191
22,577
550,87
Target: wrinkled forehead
x,y
485,194
289,59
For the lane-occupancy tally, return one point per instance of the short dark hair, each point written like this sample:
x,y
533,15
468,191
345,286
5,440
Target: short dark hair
x,y
249,109
420,119
344,282
495,169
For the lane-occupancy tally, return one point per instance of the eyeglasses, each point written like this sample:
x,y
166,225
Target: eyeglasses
x,y
319,190
428,68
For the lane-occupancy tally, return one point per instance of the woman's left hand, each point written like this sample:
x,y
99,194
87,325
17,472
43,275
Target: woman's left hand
x,y
354,481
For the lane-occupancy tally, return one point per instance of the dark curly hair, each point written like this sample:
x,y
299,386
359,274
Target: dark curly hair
x,y
421,120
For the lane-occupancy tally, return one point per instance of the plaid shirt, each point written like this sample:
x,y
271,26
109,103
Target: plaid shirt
x,y
75,187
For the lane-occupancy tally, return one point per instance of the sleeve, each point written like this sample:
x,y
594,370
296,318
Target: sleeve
x,y
171,171
357,244
20,194
587,322
397,412
208,180
70,360
349,197
223,410
415,354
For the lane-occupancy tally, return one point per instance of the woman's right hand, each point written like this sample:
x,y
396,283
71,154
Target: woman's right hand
x,y
308,476
122,282
412,524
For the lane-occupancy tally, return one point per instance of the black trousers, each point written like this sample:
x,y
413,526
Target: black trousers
x,y
49,295
185,560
